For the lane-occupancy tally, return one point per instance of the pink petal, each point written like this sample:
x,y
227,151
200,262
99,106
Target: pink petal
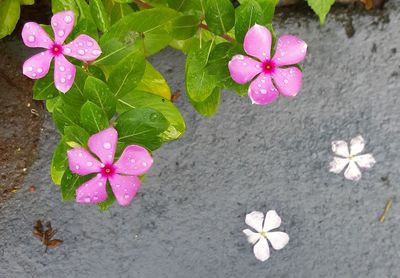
x,y
262,91
257,42
290,50
38,65
64,73
243,69
288,80
62,24
103,144
124,188
135,160
34,36
93,191
83,48
81,162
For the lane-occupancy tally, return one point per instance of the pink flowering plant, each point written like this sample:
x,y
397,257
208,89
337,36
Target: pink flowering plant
x,y
113,108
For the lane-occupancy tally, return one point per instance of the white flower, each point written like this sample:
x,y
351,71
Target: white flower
x,y
272,221
351,158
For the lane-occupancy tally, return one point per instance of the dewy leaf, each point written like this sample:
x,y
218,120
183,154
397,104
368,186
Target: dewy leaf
x,y
75,135
321,8
103,206
268,10
141,126
74,96
219,16
127,74
184,27
9,15
199,83
98,92
99,15
93,119
120,10
44,88
247,14
137,98
59,162
69,183
209,106
153,82
185,5
65,115
62,5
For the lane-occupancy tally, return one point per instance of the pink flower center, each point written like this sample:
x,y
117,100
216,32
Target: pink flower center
x,y
268,66
56,49
107,170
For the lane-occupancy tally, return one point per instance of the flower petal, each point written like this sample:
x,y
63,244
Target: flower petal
x,y
83,48
93,191
352,172
64,74
103,144
38,65
288,80
261,249
365,161
262,91
257,42
135,160
81,162
34,35
255,220
357,145
340,147
62,24
337,164
252,237
278,239
243,69
272,221
124,188
290,50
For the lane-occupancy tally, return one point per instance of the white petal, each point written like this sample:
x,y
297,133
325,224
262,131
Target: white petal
x,y
278,239
357,145
255,220
272,221
365,161
261,249
352,172
252,237
337,164
340,148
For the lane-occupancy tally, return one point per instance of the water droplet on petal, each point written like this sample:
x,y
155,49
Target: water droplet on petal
x,y
34,74
81,52
39,70
95,198
107,145
144,164
62,80
259,85
117,185
77,167
87,199
244,64
29,68
90,163
285,81
89,43
62,68
133,161
60,33
67,19
67,50
96,52
80,43
31,38
263,91
80,154
126,196
100,184
69,76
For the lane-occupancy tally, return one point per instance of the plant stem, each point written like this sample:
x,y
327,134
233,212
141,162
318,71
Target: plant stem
x,y
144,5
387,207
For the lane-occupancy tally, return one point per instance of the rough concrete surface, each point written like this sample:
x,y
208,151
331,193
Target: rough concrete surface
x,y
188,218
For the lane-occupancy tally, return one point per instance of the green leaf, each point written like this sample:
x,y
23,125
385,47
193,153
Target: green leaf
x,y
59,162
44,88
51,103
209,106
137,98
153,82
103,206
99,15
98,92
65,115
127,74
321,8
247,14
26,2
219,16
64,5
185,5
141,126
119,11
69,183
74,96
75,136
268,10
113,51
9,15
184,27
93,119
199,83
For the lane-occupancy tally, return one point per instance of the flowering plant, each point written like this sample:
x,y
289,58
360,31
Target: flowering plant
x,y
108,87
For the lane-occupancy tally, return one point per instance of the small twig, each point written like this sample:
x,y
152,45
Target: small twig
x,y
144,5
389,204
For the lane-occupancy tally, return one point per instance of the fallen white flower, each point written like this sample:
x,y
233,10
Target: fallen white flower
x,y
263,227
351,158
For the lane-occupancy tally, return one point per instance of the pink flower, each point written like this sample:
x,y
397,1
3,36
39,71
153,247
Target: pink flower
x,y
82,48
274,74
122,175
